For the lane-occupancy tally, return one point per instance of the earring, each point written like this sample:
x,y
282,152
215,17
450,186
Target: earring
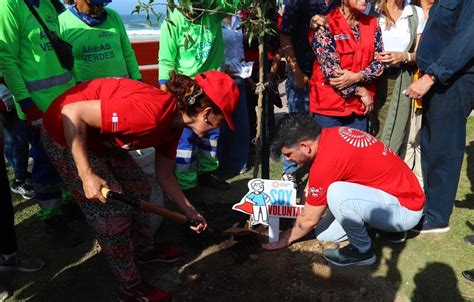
x,y
206,120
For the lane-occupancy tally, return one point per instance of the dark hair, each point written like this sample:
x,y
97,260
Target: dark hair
x,y
188,95
294,128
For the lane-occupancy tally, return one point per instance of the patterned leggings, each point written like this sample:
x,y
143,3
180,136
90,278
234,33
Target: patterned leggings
x,y
118,227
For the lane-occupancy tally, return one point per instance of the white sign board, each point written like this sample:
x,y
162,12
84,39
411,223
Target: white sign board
x,y
267,201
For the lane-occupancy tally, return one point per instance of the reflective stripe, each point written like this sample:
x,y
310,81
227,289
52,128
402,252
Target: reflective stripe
x,y
184,153
49,82
208,142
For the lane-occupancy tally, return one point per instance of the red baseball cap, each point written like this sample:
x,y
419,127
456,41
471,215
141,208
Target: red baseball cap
x,y
222,91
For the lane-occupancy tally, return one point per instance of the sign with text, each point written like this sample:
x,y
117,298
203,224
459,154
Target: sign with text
x,y
267,201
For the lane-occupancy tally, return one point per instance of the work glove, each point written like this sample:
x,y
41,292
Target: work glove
x,y
7,104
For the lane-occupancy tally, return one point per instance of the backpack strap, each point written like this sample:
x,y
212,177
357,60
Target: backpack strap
x,y
413,26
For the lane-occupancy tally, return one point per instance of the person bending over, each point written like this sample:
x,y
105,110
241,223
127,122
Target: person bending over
x,y
359,179
87,133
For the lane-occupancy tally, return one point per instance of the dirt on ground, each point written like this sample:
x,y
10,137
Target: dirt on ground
x,y
226,263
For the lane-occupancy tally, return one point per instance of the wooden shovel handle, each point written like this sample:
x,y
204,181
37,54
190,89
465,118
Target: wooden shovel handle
x,y
144,205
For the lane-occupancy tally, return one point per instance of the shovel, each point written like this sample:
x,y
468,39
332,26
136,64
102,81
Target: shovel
x,y
147,207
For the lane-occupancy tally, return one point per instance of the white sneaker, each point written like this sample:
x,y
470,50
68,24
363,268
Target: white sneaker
x,y
290,177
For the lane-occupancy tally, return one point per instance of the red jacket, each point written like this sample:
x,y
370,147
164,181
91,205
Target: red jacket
x,y
355,56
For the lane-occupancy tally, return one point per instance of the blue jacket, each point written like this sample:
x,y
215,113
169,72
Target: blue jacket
x,y
446,48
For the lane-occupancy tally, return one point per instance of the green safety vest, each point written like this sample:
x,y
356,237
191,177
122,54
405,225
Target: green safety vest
x,y
99,51
28,62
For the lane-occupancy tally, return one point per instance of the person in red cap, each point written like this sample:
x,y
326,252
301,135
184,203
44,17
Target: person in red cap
x,y
87,132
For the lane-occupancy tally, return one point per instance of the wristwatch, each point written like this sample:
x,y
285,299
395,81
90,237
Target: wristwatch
x,y
432,77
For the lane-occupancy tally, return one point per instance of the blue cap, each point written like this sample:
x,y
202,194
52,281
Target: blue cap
x,y
100,1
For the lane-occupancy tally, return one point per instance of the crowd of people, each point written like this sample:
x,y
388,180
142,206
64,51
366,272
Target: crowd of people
x,y
378,95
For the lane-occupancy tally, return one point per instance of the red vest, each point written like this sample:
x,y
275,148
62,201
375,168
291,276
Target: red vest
x,y
355,56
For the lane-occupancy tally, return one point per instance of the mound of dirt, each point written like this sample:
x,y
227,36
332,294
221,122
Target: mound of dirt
x,y
229,264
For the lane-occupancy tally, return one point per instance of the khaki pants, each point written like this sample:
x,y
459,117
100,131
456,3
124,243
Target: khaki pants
x,y
410,150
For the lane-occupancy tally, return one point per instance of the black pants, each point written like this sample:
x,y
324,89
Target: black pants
x,y
8,243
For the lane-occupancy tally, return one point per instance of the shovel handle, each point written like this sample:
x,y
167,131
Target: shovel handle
x,y
147,206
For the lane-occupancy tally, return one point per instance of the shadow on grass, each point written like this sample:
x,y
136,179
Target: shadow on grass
x,y
436,282
33,240
24,204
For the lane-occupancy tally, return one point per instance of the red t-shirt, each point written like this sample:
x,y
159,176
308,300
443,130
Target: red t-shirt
x,y
346,154
134,115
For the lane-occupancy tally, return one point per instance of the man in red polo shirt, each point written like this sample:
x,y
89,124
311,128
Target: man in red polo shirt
x,y
361,181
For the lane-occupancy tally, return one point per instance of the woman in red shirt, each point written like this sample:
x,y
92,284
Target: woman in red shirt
x,y
87,133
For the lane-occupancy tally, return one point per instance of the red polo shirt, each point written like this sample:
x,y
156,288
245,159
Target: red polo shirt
x,y
134,115
346,154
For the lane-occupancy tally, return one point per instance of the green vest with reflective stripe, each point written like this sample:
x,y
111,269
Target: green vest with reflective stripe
x,y
29,63
100,51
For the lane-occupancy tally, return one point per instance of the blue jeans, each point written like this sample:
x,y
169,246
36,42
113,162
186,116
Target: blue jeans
x,y
352,205
443,140
353,121
17,144
297,100
233,147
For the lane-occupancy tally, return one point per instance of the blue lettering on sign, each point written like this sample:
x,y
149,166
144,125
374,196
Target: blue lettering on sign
x,y
281,197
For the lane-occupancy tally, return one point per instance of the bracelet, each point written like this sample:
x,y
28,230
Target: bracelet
x,y
409,57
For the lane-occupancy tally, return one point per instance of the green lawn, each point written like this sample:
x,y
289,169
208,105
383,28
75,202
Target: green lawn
x,y
426,268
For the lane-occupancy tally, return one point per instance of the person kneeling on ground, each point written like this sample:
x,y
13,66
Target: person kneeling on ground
x,y
88,132
361,181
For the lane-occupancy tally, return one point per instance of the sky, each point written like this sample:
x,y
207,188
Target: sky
x,y
125,7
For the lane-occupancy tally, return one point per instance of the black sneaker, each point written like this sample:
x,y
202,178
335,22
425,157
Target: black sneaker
x,y
290,177
349,255
425,227
469,275
393,237
22,188
210,179
61,233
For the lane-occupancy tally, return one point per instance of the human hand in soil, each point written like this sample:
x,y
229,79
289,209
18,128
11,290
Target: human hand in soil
x,y
92,185
282,243
201,223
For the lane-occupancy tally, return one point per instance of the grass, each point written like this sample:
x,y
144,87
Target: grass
x,y
426,268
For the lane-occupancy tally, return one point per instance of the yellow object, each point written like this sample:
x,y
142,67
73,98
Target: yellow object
x,y
417,103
